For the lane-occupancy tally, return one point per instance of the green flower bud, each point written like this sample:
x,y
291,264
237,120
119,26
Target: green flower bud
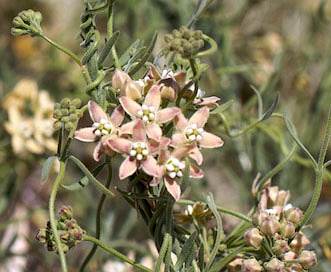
x,y
287,229
294,215
168,38
65,119
57,125
65,213
280,247
51,245
27,22
65,103
71,224
176,34
73,117
72,108
258,217
64,112
69,125
57,114
274,265
57,106
79,113
197,34
19,31
76,102
41,236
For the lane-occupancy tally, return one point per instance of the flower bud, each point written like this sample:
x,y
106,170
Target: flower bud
x,y
119,78
168,93
299,242
76,102
274,265
258,217
131,89
287,229
253,238
307,259
270,226
57,125
69,125
65,213
65,103
280,247
251,265
235,265
41,236
294,215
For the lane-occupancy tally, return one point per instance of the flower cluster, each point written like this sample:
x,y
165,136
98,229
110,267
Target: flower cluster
x,y
29,113
275,224
69,231
157,137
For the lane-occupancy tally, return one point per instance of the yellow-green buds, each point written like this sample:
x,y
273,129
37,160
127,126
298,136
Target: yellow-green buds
x,y
67,113
27,22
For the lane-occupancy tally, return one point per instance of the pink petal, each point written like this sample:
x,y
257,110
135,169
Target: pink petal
x,y
127,168
210,102
120,145
154,132
180,122
167,114
178,139
153,146
150,167
128,127
200,117
172,187
210,140
195,172
163,156
139,132
97,152
96,112
130,106
153,97
155,181
181,151
85,134
196,155
117,116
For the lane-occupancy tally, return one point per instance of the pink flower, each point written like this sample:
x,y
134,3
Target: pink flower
x,y
173,167
102,127
192,132
149,113
139,152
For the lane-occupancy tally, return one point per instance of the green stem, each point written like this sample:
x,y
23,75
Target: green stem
x,y
116,253
211,50
110,33
52,215
61,48
98,219
319,175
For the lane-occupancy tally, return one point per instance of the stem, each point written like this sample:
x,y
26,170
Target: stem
x,y
61,48
110,33
319,174
116,253
98,219
52,215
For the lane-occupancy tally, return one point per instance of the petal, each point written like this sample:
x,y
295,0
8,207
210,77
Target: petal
x,y
154,132
153,97
200,117
195,172
153,146
127,168
130,106
131,90
172,187
178,139
196,155
150,167
167,114
139,132
85,134
210,140
210,102
96,112
117,116
119,78
120,145
97,152
180,122
181,151
127,128
155,181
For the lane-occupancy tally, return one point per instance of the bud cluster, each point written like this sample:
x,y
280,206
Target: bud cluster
x,y
67,112
69,231
275,224
184,41
27,22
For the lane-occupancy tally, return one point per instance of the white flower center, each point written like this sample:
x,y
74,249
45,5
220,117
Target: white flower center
x,y
193,133
174,168
139,150
147,114
103,127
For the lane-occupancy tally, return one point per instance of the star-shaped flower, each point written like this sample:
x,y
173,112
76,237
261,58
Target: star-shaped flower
x,y
139,150
192,132
102,127
149,113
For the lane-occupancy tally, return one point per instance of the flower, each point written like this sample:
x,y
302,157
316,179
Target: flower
x,y
101,128
139,152
128,87
149,113
30,124
172,167
192,132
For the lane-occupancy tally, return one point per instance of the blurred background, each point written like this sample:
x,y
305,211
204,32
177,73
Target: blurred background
x,y
276,46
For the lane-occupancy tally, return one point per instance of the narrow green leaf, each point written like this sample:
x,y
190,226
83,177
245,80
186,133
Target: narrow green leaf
x,y
187,251
125,57
222,108
107,48
50,169
268,113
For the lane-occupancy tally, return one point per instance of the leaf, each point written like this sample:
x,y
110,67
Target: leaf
x,y
50,169
107,47
268,113
187,252
223,107
128,53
